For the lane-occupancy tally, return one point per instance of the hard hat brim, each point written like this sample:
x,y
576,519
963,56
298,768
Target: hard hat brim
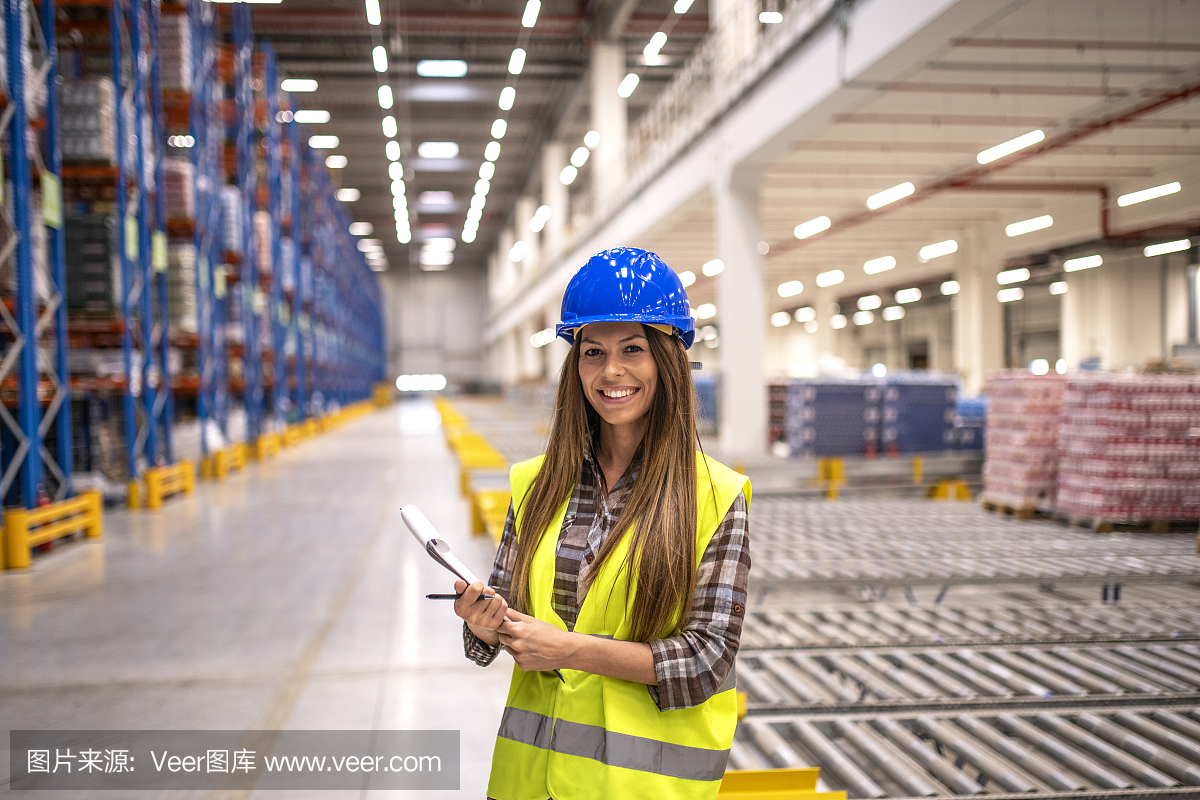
x,y
683,327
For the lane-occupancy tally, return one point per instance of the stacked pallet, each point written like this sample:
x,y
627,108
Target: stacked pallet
x,y
970,422
175,51
87,120
181,283
833,417
93,277
178,188
918,413
1021,470
1129,449
262,241
777,412
231,219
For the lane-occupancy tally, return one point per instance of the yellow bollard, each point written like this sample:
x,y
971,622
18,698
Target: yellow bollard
x,y
135,495
741,703
153,488
918,469
16,539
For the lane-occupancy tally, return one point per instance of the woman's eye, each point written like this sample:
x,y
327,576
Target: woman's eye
x,y
633,349
591,352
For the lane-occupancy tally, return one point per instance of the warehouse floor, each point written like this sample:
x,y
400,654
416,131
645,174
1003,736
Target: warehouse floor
x,y
288,597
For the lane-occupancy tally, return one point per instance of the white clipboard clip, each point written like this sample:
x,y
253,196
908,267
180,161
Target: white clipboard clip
x,y
424,532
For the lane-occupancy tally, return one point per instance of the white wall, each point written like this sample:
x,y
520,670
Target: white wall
x,y
435,322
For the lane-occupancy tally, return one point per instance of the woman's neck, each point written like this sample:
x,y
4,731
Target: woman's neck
x,y
618,445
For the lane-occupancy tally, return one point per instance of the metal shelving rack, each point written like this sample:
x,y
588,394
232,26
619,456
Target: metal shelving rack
x,y
298,320
33,321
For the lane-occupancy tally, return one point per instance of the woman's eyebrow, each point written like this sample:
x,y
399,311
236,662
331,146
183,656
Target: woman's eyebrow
x,y
623,341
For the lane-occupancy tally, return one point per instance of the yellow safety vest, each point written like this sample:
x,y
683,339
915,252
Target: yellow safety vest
x,y
588,736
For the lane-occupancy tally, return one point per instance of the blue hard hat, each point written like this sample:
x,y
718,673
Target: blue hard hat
x,y
626,284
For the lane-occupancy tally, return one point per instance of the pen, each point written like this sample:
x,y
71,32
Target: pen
x,y
456,596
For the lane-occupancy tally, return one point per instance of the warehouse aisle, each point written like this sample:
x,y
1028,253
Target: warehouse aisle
x,y
289,597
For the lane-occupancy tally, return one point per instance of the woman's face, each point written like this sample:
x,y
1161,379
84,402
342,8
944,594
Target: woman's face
x,y
617,371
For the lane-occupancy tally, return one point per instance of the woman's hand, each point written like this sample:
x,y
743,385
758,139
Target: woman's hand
x,y
536,646
483,617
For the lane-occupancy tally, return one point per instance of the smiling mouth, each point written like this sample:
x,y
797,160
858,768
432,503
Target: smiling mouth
x,y
616,394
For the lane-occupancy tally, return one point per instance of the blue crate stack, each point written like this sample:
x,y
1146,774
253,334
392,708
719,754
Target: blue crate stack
x,y
918,413
970,422
829,417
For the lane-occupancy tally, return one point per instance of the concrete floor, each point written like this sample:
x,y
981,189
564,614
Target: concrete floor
x,y
289,597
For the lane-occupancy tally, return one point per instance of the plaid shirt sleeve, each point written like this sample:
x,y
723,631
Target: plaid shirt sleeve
x,y
476,649
692,665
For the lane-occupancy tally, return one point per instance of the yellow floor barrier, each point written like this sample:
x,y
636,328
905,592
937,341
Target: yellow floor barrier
x,y
474,452
222,462
489,512
25,528
162,482
775,784
266,446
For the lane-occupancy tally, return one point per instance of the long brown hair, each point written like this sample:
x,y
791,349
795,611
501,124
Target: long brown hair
x,y
662,500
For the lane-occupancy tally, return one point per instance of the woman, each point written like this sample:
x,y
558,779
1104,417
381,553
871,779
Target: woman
x,y
625,622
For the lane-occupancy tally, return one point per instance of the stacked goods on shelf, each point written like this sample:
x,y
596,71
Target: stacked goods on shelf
x,y
1021,470
918,413
1129,449
777,405
93,277
88,120
177,188
262,240
35,85
970,422
706,403
175,51
231,219
287,256
832,417
181,278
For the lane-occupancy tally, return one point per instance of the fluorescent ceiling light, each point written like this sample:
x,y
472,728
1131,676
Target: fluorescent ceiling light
x,y
478,201
656,44
348,195
1148,194
487,170
436,258
385,96
837,321
373,12
323,142
1167,247
580,156
1029,225
714,267
890,195
492,151
542,337
568,175
379,58
831,278
393,151
516,62
628,84
468,235
433,150
1084,262
863,317
499,128
893,313
482,187
869,302
908,295
529,18
682,6
812,227
540,218
806,314
518,251
400,203
436,198
687,278
591,138
336,162
781,318
1010,294
1058,287
441,68
446,244
1010,147
949,287
298,85
389,126
1039,366
790,289
396,171
369,244
474,213
770,17
706,311
403,235
1012,276
311,117
508,96
937,250
877,265
361,229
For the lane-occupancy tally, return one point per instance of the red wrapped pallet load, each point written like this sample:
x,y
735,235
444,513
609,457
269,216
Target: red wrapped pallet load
x,y
1130,449
1021,467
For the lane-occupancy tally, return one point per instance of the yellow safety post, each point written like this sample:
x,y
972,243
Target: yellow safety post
x,y
742,699
835,470
489,512
162,482
382,395
311,428
266,446
27,528
133,495
918,469
775,784
962,491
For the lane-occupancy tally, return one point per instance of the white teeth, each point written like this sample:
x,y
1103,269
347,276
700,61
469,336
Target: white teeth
x,y
617,393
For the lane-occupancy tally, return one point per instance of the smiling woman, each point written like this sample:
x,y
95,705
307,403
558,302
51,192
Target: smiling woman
x,y
621,573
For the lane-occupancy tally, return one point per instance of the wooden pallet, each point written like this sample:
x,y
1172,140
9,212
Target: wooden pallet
x,y
1020,512
1143,526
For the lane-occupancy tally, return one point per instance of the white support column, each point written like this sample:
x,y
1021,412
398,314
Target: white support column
x,y
504,265
742,313
978,317
525,209
554,194
608,119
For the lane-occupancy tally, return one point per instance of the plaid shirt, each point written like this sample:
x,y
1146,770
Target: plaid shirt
x,y
692,665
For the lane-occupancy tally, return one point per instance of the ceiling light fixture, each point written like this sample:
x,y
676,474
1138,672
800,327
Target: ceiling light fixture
x,y
580,156
369,244
393,151
812,227
361,229
687,278
518,251
436,198
379,58
831,278
877,265
869,302
492,151
445,244
682,6
434,150
770,17
348,195
373,12
442,68
780,319
529,18
385,97
806,314
890,195
395,171
908,295
1010,294
568,175
298,85
516,62
706,311
893,313
336,162
863,317
482,187
1148,194
790,288
1010,147
311,117
628,84
389,126
937,250
487,170
540,218
499,128
713,268
1028,225
1058,287
1012,276
508,95
837,321
1083,262
949,287
656,44
1167,247
591,139
323,142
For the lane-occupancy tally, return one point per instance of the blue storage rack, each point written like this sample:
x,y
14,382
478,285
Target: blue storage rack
x,y
829,417
918,413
